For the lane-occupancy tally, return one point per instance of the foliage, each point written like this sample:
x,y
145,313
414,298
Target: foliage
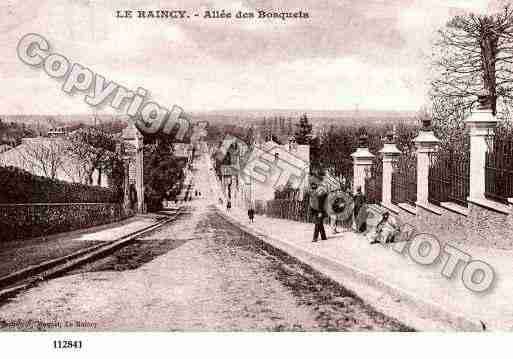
x,y
25,221
19,186
163,173
11,133
339,142
287,192
303,134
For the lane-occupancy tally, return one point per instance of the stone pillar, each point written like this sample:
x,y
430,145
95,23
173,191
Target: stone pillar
x,y
362,162
134,143
126,184
139,180
481,123
425,143
120,151
390,157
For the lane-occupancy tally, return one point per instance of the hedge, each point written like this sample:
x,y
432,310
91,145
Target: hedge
x,y
23,221
20,186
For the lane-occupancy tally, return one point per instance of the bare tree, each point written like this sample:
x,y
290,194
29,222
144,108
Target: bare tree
x,y
95,149
43,156
473,55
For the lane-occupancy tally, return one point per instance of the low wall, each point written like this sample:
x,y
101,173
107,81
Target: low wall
x,y
480,227
21,221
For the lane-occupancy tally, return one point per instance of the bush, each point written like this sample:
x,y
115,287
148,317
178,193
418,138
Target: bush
x,y
20,186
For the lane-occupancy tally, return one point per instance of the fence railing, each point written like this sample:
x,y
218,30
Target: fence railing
x,y
404,180
449,177
374,182
499,169
341,168
294,210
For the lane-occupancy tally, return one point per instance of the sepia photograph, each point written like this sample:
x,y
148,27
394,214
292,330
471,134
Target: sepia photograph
x,y
220,167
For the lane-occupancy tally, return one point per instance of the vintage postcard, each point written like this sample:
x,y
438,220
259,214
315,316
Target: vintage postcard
x,y
255,166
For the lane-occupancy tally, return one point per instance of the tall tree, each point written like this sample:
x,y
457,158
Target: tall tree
x,y
473,55
163,173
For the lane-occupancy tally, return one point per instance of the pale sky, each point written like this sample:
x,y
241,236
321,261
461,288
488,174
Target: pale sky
x,y
366,53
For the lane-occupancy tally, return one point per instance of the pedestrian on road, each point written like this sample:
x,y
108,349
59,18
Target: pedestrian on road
x,y
251,214
318,197
359,201
228,205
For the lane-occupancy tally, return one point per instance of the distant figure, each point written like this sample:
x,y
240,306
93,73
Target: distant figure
x,y
199,193
196,193
228,205
220,200
359,201
251,214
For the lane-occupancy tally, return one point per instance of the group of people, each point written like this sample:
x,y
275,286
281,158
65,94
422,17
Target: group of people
x,y
348,218
355,220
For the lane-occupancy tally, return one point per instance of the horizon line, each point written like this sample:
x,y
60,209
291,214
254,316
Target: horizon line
x,y
360,110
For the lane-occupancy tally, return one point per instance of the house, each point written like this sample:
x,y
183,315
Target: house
x,y
270,166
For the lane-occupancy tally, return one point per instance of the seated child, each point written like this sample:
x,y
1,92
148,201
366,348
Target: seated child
x,y
385,230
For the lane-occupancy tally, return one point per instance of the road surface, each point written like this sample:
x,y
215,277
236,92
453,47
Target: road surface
x,y
197,273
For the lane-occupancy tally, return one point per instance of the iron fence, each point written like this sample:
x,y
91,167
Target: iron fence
x,y
291,209
340,168
499,169
404,180
449,177
374,182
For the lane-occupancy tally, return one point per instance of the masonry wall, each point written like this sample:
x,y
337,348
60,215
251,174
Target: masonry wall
x,y
22,221
481,227
490,228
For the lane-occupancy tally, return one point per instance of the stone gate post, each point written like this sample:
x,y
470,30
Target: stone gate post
x,y
425,143
362,162
120,150
390,156
134,142
481,123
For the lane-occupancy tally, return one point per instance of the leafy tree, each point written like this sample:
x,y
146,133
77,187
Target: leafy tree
x,y
163,173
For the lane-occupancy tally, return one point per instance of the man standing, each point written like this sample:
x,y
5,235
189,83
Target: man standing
x,y
251,214
359,217
319,194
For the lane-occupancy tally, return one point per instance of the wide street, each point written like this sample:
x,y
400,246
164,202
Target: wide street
x,y
196,273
